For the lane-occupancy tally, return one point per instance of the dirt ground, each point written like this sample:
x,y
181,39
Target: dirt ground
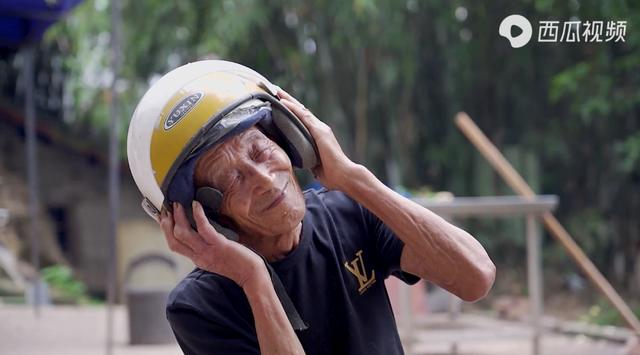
x,y
82,331
66,330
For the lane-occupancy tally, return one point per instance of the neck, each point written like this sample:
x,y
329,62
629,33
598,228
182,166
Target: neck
x,y
274,248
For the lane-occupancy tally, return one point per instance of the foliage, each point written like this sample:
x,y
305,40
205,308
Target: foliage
x,y
389,75
603,313
64,285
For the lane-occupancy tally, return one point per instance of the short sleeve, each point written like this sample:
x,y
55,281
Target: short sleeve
x,y
388,248
199,336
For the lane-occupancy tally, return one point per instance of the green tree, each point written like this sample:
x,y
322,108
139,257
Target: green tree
x,y
389,76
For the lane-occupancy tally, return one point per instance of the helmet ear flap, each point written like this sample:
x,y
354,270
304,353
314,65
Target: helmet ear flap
x,y
211,201
210,198
302,152
290,134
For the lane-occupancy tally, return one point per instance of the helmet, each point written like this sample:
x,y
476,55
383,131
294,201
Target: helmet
x,y
191,109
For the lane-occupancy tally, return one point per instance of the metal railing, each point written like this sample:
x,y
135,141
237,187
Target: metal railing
x,y
494,207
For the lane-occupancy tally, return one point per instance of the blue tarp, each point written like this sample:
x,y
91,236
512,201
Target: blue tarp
x,y
25,21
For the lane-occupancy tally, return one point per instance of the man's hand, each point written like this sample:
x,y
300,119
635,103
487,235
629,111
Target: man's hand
x,y
335,167
208,249
211,251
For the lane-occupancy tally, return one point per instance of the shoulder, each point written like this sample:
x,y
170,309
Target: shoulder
x,y
206,293
333,201
208,311
336,212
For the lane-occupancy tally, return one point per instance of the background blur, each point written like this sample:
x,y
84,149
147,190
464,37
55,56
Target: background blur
x,y
388,76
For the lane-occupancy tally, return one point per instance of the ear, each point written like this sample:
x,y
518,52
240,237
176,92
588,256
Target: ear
x,y
210,198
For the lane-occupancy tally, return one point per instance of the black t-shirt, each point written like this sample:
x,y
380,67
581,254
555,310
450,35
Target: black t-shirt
x,y
335,278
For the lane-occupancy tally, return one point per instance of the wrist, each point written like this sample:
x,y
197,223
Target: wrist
x,y
257,280
355,175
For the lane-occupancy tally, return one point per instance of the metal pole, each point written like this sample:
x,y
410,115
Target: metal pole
x,y
114,174
455,304
32,172
404,295
534,271
517,183
455,308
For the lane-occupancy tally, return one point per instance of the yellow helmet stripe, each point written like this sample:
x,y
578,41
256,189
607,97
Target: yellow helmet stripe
x,y
188,110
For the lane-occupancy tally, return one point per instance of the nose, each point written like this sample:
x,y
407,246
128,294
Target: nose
x,y
262,179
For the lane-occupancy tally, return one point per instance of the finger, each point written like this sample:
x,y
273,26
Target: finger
x,y
181,248
302,113
161,216
205,229
183,232
167,224
285,95
179,215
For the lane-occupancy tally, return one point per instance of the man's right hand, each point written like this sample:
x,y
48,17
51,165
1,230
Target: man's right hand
x,y
211,251
208,249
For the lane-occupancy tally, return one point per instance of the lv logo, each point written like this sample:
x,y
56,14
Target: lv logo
x,y
356,267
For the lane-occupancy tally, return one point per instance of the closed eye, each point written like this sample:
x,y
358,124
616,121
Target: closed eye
x,y
260,154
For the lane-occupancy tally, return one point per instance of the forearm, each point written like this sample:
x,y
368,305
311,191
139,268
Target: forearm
x,y
434,248
274,331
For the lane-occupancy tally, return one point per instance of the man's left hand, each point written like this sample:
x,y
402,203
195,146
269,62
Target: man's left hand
x,y
335,167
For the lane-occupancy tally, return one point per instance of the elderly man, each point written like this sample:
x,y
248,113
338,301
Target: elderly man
x,y
331,249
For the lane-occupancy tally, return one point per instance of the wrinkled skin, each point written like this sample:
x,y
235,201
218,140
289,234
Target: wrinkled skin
x,y
262,199
261,194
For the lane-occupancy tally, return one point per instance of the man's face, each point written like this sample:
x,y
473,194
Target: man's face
x,y
261,194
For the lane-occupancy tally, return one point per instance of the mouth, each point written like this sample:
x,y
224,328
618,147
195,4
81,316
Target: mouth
x,y
278,198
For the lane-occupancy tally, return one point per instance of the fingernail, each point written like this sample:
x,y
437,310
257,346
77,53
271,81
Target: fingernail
x,y
194,204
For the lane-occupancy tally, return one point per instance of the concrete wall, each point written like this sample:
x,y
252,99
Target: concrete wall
x,y
75,184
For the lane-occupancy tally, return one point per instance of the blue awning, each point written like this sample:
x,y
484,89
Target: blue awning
x,y
25,21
